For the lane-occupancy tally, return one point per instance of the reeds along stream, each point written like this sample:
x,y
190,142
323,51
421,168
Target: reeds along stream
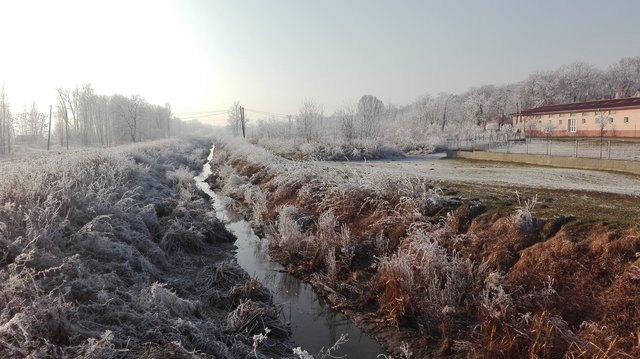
x,y
313,323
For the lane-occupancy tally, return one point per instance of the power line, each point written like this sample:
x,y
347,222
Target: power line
x,y
267,113
209,117
212,112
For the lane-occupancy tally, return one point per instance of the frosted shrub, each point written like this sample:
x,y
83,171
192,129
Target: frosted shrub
x,y
428,278
233,184
289,235
396,279
181,239
325,229
495,301
182,180
252,317
523,217
157,295
257,200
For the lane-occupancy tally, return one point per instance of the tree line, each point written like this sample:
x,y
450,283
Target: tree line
x,y
83,117
480,108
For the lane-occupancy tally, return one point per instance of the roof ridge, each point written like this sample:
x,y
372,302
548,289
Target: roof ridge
x,y
588,105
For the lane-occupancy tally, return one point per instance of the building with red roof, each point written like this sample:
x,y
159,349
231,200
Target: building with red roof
x,y
610,118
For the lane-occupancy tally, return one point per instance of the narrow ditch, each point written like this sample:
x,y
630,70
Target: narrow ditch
x,y
314,324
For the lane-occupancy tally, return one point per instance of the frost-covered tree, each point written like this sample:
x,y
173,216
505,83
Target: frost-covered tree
x,y
578,82
623,77
310,120
32,122
476,104
346,115
234,119
603,123
370,111
423,113
6,124
132,113
125,113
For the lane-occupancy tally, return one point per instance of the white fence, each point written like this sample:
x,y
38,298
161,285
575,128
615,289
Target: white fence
x,y
606,148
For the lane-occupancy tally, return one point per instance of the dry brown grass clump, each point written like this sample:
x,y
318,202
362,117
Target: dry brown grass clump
x,y
468,283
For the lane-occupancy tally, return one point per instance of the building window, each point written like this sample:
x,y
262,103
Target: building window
x,y
561,115
597,113
572,125
572,114
626,120
612,112
550,115
559,122
585,114
584,120
610,119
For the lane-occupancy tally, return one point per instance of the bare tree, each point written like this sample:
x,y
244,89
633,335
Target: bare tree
x,y
132,111
32,123
624,77
309,120
5,124
578,81
443,102
370,110
346,115
603,122
234,119
424,113
125,113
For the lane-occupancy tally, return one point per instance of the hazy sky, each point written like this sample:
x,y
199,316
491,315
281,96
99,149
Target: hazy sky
x,y
202,55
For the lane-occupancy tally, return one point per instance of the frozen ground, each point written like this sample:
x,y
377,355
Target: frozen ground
x,y
514,176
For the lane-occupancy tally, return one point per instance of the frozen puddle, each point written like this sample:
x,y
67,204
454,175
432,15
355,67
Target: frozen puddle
x,y
313,323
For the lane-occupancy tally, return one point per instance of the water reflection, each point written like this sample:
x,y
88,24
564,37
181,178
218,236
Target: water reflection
x,y
314,324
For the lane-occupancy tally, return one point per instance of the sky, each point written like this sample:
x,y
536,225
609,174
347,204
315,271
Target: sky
x,y
200,56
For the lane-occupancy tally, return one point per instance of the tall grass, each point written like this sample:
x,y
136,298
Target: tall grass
x,y
465,282
99,252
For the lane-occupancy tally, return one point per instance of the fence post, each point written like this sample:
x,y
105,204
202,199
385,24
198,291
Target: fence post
x,y
526,145
576,148
609,148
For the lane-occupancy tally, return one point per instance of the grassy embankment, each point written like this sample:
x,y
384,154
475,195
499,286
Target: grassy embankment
x,y
115,253
462,271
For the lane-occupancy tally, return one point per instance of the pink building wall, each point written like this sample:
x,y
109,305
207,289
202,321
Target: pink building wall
x,y
623,123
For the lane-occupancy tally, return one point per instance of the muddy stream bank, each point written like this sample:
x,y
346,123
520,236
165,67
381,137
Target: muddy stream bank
x,y
314,324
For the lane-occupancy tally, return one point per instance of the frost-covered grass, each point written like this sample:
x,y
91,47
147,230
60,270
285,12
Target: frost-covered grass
x,y
331,149
114,253
461,280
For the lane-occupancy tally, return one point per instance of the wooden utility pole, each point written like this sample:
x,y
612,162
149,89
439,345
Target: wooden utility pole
x,y
49,136
242,120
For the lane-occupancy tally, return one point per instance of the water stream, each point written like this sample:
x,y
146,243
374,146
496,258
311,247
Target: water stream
x,y
313,323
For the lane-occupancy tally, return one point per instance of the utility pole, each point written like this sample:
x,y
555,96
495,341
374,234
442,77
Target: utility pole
x,y
242,120
49,136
